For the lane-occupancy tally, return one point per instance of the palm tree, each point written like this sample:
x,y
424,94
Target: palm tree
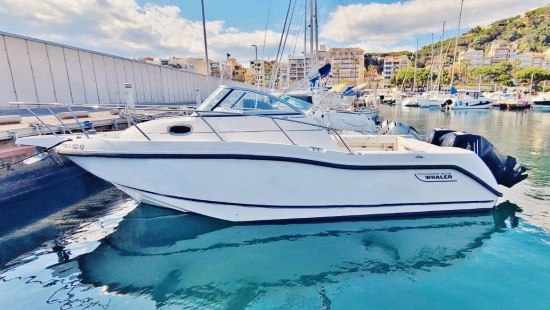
x,y
355,63
337,70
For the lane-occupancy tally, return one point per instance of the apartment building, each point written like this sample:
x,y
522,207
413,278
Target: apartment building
x,y
347,64
393,64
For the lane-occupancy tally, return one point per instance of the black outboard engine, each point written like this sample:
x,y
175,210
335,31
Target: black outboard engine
x,y
504,168
435,136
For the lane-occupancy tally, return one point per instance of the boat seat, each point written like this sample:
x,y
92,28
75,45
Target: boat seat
x,y
409,144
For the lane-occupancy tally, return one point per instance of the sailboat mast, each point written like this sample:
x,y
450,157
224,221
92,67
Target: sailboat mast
x,y
311,34
205,49
316,37
440,69
456,43
305,37
431,64
415,57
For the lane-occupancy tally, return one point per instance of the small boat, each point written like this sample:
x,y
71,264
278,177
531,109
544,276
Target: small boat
x,y
245,155
540,102
470,99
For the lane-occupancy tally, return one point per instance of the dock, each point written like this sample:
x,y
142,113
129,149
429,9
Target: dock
x,y
514,105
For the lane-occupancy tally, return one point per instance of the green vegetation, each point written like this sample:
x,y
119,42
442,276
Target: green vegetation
x,y
505,73
531,33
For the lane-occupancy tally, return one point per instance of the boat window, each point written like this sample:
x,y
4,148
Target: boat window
x,y
179,129
214,99
300,104
246,101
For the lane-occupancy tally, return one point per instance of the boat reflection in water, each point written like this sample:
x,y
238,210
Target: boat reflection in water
x,y
180,258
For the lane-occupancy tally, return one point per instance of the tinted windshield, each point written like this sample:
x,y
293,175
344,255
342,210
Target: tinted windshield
x,y
213,99
246,101
300,104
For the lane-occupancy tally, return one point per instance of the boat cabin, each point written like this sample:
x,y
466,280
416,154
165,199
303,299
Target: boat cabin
x,y
470,94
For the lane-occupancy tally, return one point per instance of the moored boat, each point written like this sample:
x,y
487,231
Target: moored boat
x,y
245,155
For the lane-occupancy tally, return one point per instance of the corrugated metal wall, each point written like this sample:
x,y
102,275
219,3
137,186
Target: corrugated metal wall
x,y
33,70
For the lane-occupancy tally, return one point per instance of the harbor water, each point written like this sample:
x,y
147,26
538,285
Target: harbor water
x,y
99,249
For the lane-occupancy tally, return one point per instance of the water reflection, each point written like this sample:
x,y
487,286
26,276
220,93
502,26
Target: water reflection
x,y
179,258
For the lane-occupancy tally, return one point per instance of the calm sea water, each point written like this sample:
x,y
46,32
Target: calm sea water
x,y
107,252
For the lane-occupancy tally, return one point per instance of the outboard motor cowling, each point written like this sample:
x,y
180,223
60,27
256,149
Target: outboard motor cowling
x,y
504,168
435,136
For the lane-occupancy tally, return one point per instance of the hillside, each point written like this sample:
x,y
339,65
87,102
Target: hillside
x,y
531,33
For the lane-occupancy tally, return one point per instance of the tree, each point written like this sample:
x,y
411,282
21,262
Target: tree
x,y
537,74
488,73
371,73
336,69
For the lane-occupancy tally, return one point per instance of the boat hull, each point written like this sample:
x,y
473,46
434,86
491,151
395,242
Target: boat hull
x,y
244,188
240,213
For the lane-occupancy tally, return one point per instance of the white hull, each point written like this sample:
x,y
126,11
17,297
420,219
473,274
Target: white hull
x,y
430,103
246,214
290,182
476,107
541,107
410,102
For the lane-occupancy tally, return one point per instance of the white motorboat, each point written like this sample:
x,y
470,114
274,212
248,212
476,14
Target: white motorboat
x,y
540,102
245,155
336,109
471,99
434,100
410,102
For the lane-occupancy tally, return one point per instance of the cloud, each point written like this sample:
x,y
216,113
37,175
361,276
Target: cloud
x,y
384,24
122,27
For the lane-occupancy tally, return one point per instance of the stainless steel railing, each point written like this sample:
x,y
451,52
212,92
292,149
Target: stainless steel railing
x,y
200,114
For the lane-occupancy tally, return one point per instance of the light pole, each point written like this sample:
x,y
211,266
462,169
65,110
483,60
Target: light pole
x,y
255,47
256,73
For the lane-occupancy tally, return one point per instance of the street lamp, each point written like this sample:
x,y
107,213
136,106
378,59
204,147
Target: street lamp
x,y
257,75
256,47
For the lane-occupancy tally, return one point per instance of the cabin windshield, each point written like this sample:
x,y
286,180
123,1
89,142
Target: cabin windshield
x,y
246,101
300,104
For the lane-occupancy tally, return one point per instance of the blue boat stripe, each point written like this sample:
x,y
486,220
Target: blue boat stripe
x,y
307,207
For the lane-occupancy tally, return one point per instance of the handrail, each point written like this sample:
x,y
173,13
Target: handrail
x,y
40,120
284,132
79,125
274,118
60,121
199,114
208,124
131,119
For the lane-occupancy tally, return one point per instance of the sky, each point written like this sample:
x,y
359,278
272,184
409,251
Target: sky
x,y
165,28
